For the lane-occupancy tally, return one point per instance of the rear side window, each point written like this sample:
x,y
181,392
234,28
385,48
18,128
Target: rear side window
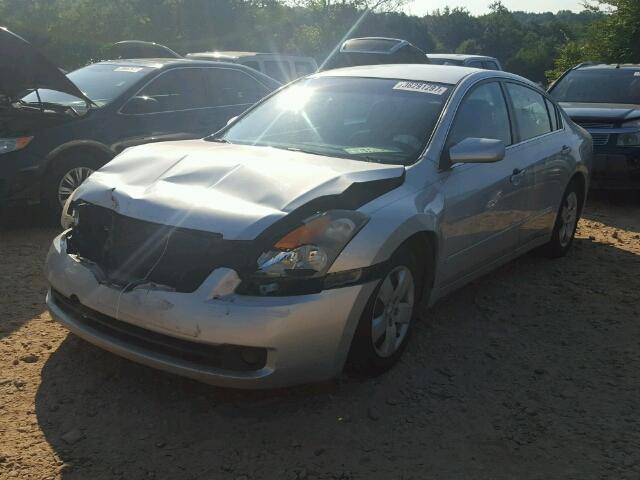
x,y
530,111
553,114
482,114
489,65
278,70
178,89
475,64
233,87
303,68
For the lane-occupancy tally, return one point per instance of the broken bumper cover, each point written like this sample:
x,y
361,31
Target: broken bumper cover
x,y
303,343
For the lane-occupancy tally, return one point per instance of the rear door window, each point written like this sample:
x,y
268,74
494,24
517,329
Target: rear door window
x,y
530,110
490,65
229,86
252,64
475,64
303,68
278,70
178,89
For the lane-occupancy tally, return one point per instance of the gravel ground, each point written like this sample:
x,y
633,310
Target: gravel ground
x,y
532,372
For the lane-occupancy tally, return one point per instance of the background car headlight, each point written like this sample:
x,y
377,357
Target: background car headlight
x,y
12,144
631,139
628,139
310,250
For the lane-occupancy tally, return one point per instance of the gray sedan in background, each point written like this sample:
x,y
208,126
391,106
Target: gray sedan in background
x,y
302,237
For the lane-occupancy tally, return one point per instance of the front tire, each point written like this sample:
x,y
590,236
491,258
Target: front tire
x,y
67,174
564,229
383,331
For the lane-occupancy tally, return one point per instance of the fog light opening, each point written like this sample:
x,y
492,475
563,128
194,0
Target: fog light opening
x,y
252,356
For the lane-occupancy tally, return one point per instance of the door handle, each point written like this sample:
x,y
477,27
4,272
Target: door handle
x,y
565,149
516,176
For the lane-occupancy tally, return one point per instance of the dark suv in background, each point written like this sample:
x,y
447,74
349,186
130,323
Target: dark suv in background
x,y
55,130
605,100
374,51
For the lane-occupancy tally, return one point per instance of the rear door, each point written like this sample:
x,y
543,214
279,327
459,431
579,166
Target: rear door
x,y
484,202
231,92
541,147
179,111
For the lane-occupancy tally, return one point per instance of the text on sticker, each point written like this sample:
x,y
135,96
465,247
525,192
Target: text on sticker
x,y
423,87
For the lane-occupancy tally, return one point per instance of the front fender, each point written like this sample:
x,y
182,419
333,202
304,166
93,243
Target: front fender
x,y
390,226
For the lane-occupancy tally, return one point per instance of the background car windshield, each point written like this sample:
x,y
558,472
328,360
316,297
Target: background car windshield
x,y
102,83
599,86
380,120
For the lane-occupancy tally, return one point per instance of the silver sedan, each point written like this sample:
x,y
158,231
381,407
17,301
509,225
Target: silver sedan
x,y
303,236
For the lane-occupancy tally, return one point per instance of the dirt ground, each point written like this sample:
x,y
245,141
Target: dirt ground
x,y
532,372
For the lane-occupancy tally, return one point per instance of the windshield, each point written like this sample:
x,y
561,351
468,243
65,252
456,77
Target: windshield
x,y
610,85
101,82
379,120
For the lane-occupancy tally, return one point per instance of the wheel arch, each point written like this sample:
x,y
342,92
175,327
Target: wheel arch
x,y
423,247
72,147
580,181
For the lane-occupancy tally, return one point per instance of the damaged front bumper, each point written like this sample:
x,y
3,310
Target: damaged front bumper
x,y
210,335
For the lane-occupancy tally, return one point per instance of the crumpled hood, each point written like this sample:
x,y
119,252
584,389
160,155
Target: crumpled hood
x,y
601,112
234,190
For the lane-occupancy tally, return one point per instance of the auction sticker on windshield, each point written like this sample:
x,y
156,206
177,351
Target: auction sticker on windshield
x,y
423,87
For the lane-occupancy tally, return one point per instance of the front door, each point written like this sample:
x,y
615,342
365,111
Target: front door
x,y
484,203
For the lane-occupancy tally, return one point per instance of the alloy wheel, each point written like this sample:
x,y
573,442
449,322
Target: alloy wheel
x,y
569,218
392,311
70,181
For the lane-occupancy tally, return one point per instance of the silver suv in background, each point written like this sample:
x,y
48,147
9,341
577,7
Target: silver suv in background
x,y
460,60
283,68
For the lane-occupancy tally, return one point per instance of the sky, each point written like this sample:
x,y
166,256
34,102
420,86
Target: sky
x,y
477,7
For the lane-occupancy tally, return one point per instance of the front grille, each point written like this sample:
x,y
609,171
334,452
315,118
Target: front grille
x,y
595,124
131,251
226,357
600,138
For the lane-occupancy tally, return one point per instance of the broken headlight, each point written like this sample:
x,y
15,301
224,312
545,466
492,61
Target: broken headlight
x,y
309,250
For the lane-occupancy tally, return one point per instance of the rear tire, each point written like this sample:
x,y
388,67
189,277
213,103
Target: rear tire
x,y
384,327
566,223
65,175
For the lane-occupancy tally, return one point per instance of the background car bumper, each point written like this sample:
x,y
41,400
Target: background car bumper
x,y
619,169
19,179
306,337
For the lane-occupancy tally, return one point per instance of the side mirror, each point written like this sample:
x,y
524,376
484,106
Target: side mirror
x,y
140,105
477,150
231,120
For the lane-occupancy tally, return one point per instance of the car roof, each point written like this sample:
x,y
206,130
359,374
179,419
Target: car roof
x,y
222,54
607,66
164,62
459,56
377,45
416,72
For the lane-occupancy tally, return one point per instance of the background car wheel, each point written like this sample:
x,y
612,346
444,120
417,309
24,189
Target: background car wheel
x,y
383,330
67,174
566,223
